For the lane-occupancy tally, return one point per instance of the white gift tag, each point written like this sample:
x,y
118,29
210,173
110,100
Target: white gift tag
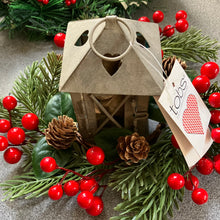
x,y
186,114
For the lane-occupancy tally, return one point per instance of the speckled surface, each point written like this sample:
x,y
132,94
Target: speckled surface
x,y
16,54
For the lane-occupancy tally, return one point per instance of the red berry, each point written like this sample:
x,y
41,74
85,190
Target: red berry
x,y
55,192
216,135
216,158
85,199
12,155
191,182
68,2
181,15
144,19
5,125
71,188
168,31
158,16
73,2
97,207
174,142
30,121
48,164
205,166
175,181
45,2
210,69
214,99
217,166
199,196
182,25
9,102
201,83
95,155
59,39
162,53
16,135
90,185
160,30
3,143
215,116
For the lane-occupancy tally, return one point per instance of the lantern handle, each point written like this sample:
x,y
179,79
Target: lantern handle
x,y
105,57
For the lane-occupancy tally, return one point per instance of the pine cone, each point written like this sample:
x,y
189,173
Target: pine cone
x,y
169,63
133,148
61,132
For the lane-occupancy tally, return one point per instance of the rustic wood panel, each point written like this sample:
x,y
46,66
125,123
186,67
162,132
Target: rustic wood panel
x,y
85,114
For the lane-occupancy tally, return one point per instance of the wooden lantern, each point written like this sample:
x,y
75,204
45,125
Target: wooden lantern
x,y
107,75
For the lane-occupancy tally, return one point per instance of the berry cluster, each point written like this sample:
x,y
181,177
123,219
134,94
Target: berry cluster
x,y
176,181
201,83
67,2
45,2
59,38
70,2
15,135
86,187
181,22
209,71
205,166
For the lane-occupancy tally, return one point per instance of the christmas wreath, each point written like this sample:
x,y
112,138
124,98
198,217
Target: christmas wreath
x,y
43,19
42,129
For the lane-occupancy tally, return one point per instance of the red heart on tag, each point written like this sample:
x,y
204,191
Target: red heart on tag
x,y
191,117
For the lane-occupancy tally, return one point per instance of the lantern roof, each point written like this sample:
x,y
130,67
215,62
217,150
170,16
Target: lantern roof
x,y
111,60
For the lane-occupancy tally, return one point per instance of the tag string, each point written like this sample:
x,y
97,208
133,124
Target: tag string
x,y
156,69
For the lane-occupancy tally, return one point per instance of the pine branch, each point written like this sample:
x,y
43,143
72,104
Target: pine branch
x,y
143,186
27,186
42,21
38,84
192,46
27,154
3,9
33,89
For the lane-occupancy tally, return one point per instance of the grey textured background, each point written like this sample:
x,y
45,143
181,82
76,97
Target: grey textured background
x,y
16,54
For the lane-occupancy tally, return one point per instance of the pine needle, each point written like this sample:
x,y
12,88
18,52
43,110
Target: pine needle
x,y
143,186
192,46
33,89
40,21
27,186
38,84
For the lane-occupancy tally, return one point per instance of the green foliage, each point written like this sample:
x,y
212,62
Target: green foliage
x,y
205,96
42,21
41,150
213,88
33,89
28,186
38,84
3,9
143,186
107,140
191,45
60,104
154,111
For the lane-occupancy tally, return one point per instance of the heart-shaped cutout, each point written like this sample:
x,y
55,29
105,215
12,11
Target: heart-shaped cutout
x,y
191,117
111,66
